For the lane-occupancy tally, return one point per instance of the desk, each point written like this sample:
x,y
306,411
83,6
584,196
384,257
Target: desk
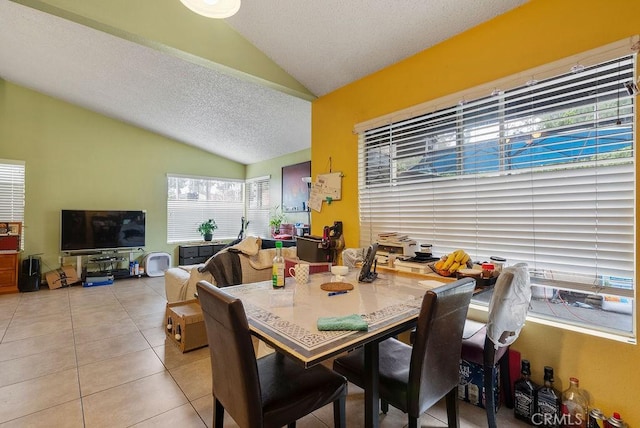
x,y
286,319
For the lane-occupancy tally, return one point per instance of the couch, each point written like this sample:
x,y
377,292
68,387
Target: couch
x,y
255,265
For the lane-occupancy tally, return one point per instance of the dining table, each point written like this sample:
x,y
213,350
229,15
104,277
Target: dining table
x,y
287,319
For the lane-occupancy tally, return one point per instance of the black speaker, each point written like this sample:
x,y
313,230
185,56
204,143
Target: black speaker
x,y
30,274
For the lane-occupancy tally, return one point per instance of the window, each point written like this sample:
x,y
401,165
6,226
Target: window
x,y
12,191
258,204
542,173
193,200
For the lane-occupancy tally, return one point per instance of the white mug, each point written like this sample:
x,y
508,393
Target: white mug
x,y
300,272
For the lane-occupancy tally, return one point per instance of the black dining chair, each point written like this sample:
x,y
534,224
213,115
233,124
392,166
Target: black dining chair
x,y
269,392
413,379
488,345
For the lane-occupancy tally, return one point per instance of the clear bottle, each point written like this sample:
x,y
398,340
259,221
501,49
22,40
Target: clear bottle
x,y
547,412
524,394
575,405
278,267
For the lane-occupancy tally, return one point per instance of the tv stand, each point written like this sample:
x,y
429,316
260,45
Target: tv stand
x,y
102,263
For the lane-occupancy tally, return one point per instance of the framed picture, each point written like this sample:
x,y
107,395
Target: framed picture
x,y
10,228
295,192
14,228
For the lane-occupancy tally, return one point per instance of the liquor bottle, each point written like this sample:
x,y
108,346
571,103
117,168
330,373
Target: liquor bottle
x,y
524,394
547,402
278,267
574,405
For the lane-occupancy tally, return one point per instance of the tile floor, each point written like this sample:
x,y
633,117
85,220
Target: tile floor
x,y
97,357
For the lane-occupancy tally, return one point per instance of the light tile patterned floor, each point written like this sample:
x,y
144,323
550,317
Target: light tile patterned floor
x,y
97,357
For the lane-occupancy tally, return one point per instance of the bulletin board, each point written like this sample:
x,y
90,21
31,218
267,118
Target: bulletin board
x,y
326,188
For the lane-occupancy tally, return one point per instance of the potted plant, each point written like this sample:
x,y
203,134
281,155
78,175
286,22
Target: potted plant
x,y
276,219
206,229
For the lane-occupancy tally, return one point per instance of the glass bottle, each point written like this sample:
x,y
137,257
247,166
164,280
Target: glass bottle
x,y
524,394
547,412
278,267
574,405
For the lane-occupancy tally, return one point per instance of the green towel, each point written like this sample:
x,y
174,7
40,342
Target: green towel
x,y
350,322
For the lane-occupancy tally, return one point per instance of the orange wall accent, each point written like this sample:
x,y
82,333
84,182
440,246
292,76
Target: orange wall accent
x,y
534,34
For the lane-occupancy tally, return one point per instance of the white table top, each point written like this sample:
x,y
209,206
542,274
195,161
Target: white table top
x,y
287,318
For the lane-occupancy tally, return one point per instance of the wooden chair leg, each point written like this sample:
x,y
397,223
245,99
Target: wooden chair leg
x,y
340,413
218,414
453,414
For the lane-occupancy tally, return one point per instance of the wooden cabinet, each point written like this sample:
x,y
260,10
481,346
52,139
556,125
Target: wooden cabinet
x,y
197,253
9,261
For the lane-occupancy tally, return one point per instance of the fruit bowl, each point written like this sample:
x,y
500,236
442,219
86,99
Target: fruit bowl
x,y
441,272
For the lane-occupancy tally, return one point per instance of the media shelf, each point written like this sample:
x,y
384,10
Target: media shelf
x,y
102,263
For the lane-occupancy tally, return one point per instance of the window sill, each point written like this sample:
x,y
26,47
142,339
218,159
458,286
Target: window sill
x,y
482,307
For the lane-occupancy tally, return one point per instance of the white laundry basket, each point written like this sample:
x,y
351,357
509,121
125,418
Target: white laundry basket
x,y
155,264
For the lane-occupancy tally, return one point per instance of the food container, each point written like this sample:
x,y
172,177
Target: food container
x,y
426,248
487,270
498,263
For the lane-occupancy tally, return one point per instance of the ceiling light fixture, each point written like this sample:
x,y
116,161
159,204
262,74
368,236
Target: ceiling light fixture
x,y
213,8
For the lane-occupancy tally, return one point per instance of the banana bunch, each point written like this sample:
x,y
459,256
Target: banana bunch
x,y
452,262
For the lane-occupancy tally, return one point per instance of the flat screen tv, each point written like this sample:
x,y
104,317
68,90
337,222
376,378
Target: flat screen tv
x,y
86,230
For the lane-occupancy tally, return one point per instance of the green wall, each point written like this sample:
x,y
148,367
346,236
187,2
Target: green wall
x,y
169,26
273,168
77,159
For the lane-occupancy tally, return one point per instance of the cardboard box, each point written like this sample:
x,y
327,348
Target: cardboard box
x,y
187,329
471,385
62,277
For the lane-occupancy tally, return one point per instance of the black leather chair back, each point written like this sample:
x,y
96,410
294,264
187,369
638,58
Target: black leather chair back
x,y
435,365
236,383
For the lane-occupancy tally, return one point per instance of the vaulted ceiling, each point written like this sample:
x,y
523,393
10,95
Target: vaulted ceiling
x,y
240,88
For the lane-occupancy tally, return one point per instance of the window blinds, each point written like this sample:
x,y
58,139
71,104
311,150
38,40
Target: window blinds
x,y
258,205
193,200
542,173
12,190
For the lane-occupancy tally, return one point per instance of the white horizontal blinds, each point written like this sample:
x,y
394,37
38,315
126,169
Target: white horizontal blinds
x,y
12,190
542,173
258,205
193,200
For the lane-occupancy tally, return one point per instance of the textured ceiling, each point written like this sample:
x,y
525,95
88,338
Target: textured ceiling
x,y
324,45
331,43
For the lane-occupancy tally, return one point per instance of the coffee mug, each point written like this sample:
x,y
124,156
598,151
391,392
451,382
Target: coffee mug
x,y
300,272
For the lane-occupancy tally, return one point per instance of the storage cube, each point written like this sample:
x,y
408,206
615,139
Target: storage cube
x,y
185,325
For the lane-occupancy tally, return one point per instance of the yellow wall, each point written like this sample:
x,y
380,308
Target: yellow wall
x,y
539,32
77,159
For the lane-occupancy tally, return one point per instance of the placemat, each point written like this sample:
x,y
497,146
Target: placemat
x,y
336,286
